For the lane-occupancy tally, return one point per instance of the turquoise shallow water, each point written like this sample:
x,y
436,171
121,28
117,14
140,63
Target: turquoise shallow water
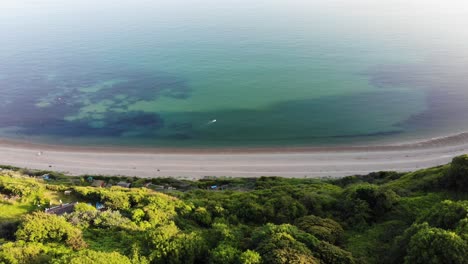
x,y
232,73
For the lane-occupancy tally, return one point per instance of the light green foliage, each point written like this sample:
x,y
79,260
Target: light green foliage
x,y
224,232
115,199
250,257
94,257
170,245
251,221
284,244
224,254
410,208
82,219
161,208
11,183
137,196
434,245
30,253
43,227
84,207
113,219
138,215
137,258
421,180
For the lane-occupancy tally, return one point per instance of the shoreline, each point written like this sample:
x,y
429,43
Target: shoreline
x,y
196,163
449,140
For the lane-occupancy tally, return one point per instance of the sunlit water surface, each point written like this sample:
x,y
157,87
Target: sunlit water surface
x,y
206,73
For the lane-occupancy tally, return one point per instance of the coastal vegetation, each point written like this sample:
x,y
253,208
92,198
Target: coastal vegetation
x,y
383,217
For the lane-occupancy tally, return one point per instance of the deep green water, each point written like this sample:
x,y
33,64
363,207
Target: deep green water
x,y
271,73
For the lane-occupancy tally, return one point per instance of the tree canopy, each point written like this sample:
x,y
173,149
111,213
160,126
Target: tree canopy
x,y
384,217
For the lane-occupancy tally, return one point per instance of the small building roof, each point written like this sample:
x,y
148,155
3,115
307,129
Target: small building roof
x,y
124,184
98,183
61,209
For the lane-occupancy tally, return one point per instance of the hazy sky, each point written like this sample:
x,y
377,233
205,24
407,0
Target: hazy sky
x,y
441,21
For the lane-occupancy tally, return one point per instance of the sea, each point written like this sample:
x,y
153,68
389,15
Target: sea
x,y
232,73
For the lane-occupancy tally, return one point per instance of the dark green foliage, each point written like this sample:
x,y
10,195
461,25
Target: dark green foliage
x,y
366,203
401,243
202,216
87,194
8,229
462,229
330,254
322,228
446,214
8,167
381,177
285,208
457,176
225,254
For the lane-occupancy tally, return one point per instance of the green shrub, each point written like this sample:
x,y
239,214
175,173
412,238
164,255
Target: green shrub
x,y
94,257
445,215
435,245
331,254
457,176
42,227
322,228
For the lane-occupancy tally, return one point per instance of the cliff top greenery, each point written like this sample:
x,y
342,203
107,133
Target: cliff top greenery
x,y
383,217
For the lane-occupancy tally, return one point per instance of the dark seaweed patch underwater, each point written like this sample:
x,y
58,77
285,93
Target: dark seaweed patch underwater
x,y
39,104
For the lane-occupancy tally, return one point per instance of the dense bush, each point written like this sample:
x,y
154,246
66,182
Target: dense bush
x,y
114,199
22,252
43,227
330,254
446,214
457,176
359,219
366,203
95,257
11,185
435,245
322,228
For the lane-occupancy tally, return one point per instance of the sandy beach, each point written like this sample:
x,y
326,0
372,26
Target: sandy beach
x,y
198,163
